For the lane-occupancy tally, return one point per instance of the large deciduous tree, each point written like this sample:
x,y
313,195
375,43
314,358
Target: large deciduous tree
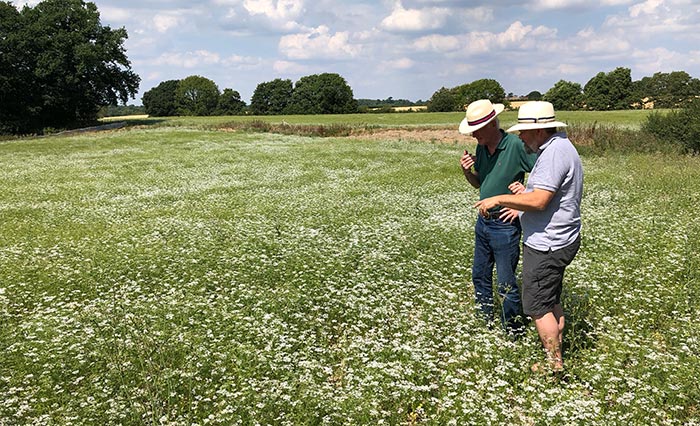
x,y
326,93
271,97
565,95
485,88
443,100
161,100
197,95
457,98
230,103
611,91
60,65
17,103
668,90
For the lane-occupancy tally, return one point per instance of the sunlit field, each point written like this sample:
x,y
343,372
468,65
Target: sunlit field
x,y
175,276
626,118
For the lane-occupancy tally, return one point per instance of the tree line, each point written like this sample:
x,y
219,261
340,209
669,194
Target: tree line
x,y
614,90
326,93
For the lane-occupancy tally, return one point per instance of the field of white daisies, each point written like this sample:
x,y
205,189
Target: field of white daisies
x,y
190,277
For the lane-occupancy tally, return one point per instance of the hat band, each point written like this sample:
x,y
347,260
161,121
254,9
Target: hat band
x,y
481,120
536,120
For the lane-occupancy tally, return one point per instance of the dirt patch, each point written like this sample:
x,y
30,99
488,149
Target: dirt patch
x,y
446,136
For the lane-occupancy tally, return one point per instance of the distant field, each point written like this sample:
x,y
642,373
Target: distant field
x,y
628,118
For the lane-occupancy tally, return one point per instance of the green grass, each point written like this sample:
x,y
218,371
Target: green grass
x,y
182,276
629,118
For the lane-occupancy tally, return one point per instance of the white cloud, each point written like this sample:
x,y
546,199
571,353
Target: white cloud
x,y
652,18
646,8
578,4
280,10
164,22
286,67
189,59
318,43
115,14
516,36
398,64
437,43
415,19
659,59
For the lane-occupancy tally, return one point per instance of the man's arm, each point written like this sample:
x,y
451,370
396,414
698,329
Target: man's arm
x,y
538,199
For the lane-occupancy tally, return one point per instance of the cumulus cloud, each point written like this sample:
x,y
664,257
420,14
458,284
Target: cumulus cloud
x,y
516,35
398,64
437,43
651,18
286,67
318,43
646,8
402,19
579,4
164,22
280,10
189,59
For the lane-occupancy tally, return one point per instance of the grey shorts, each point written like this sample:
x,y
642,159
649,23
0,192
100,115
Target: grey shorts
x,y
543,276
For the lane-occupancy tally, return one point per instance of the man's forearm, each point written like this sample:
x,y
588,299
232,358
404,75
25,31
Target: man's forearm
x,y
527,201
472,178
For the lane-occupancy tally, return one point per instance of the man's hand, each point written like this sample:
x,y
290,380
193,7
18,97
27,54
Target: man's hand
x,y
467,161
508,214
516,187
486,204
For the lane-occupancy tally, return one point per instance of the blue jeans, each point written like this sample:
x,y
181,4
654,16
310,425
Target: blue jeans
x,y
497,241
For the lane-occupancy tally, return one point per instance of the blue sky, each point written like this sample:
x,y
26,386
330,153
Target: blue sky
x,y
405,49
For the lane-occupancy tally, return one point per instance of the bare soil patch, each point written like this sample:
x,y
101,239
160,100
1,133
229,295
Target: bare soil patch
x,y
446,136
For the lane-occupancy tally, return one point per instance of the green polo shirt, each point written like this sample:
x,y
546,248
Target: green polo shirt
x,y
508,164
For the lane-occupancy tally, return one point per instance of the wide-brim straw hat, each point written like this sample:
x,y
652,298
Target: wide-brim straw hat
x,y
479,114
536,115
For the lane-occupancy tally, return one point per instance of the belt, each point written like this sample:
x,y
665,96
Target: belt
x,y
493,215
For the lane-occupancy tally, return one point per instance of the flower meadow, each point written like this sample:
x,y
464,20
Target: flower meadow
x,y
174,276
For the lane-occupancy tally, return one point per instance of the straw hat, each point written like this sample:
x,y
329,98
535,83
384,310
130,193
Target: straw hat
x,y
479,114
536,115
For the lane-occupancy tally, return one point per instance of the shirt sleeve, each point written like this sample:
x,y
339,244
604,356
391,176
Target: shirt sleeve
x,y
551,173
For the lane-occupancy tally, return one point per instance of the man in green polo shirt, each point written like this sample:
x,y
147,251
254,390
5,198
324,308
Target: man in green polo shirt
x,y
500,160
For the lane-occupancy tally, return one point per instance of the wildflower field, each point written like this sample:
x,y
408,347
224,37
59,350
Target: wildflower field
x,y
183,276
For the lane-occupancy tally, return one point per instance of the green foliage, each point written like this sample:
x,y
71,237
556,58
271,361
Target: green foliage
x,y
681,126
386,103
457,98
196,95
602,139
161,101
668,90
325,93
230,103
485,88
565,95
271,97
18,99
534,96
121,110
611,91
443,100
60,65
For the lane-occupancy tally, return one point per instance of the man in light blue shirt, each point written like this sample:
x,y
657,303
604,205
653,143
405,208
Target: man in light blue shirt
x,y
551,220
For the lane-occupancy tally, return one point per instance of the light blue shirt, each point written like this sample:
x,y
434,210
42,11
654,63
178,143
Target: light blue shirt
x,y
558,169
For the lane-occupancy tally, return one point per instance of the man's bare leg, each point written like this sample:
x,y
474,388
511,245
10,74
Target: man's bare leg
x,y
550,327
